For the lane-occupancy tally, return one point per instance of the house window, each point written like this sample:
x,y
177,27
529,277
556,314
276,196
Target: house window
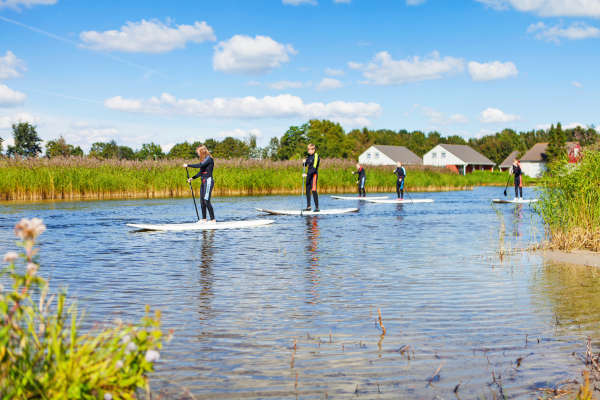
x,y
434,155
443,155
368,155
376,155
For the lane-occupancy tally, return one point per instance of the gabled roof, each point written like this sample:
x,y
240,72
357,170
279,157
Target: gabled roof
x,y
399,153
507,163
538,152
467,154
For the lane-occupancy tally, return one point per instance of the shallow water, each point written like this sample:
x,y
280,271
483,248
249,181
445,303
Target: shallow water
x,y
238,300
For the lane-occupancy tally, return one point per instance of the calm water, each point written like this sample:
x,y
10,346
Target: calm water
x,y
238,300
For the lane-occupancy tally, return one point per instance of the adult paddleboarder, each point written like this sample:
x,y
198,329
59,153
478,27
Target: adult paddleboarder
x,y
362,178
206,166
312,175
518,174
400,176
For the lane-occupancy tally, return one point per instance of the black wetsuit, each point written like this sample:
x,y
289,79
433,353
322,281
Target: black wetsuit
x,y
362,178
518,173
206,172
312,175
401,174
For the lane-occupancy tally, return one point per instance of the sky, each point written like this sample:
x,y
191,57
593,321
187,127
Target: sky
x,y
170,71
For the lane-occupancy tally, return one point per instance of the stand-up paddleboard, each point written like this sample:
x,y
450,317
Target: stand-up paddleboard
x,y
194,226
401,201
524,201
298,212
359,198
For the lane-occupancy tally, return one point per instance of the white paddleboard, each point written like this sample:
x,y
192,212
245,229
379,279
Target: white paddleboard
x,y
359,198
203,225
401,201
298,212
524,201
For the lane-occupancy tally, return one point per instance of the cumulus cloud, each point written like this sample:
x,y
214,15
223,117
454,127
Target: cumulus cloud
x,y
10,98
283,85
577,84
148,37
494,115
384,70
17,4
244,54
11,66
492,70
329,83
576,31
438,118
549,8
240,133
342,1
414,2
282,106
299,2
6,121
334,72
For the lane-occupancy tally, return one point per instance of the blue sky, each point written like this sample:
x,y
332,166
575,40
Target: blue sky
x,y
190,70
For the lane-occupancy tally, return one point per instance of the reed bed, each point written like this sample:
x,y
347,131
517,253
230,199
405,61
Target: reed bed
x,y
570,204
89,178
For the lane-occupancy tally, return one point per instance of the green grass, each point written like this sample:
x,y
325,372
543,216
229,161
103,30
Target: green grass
x,y
570,203
88,178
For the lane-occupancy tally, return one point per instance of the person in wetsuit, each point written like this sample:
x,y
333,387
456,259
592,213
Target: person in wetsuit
x,y
400,174
312,175
518,173
362,178
206,167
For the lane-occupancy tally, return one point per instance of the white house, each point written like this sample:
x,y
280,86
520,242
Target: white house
x,y
533,163
457,157
388,155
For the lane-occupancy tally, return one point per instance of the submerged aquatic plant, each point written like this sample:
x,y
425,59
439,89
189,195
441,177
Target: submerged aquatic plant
x,y
43,353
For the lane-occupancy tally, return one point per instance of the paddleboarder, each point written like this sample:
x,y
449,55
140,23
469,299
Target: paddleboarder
x,y
312,175
518,173
400,175
362,177
206,166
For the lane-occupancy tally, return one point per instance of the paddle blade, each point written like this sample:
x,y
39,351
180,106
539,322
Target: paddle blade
x,y
504,192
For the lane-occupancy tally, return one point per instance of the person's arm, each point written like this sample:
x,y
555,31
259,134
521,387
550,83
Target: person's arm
x,y
201,165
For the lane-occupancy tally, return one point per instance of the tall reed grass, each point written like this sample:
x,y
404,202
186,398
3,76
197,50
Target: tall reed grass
x,y
570,203
89,178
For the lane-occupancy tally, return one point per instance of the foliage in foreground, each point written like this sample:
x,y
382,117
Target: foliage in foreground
x,y
43,354
570,203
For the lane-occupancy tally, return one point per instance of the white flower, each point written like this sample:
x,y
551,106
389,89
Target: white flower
x,y
131,347
107,396
126,339
32,269
152,356
119,364
29,229
11,256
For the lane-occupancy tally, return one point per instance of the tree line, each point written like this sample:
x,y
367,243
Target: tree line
x,y
329,137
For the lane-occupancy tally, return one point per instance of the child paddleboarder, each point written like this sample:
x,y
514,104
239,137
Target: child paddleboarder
x,y
206,167
312,175
400,176
362,177
518,173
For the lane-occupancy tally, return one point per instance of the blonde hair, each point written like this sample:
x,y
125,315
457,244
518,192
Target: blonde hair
x,y
311,146
203,152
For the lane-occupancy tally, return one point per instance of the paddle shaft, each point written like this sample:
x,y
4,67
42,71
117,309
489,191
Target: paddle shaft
x,y
302,190
193,196
508,180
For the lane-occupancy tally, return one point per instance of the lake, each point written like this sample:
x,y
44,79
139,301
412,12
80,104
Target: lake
x,y
290,310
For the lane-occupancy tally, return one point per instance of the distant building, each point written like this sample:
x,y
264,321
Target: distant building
x,y
533,163
388,155
457,157
508,161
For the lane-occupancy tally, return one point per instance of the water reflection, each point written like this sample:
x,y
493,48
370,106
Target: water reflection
x,y
313,275
517,220
206,252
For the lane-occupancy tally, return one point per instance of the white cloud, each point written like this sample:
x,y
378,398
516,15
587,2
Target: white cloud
x,y
334,72
577,31
253,83
9,97
240,133
11,66
571,125
299,2
16,4
148,37
244,54
549,8
438,118
342,1
354,65
492,70
414,2
494,115
384,70
282,106
282,85
6,121
577,84
329,83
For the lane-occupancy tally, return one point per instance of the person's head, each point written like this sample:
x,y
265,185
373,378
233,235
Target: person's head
x,y
311,149
202,152
516,162
357,166
399,164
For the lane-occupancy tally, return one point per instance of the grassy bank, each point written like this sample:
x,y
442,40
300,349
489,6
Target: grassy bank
x,y
88,178
570,204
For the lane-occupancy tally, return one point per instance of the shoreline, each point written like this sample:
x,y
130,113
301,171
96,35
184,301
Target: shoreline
x,y
586,258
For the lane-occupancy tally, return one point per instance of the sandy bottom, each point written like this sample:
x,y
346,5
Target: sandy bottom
x,y
579,257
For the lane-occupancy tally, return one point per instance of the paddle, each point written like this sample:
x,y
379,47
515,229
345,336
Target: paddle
x,y
302,190
506,187
192,189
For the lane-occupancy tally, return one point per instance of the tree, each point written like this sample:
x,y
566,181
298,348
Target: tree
x,y
231,148
557,147
125,153
271,150
60,148
104,150
1,140
329,138
150,151
182,150
27,141
293,143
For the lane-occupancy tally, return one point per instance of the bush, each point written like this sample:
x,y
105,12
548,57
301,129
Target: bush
x,y
43,354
